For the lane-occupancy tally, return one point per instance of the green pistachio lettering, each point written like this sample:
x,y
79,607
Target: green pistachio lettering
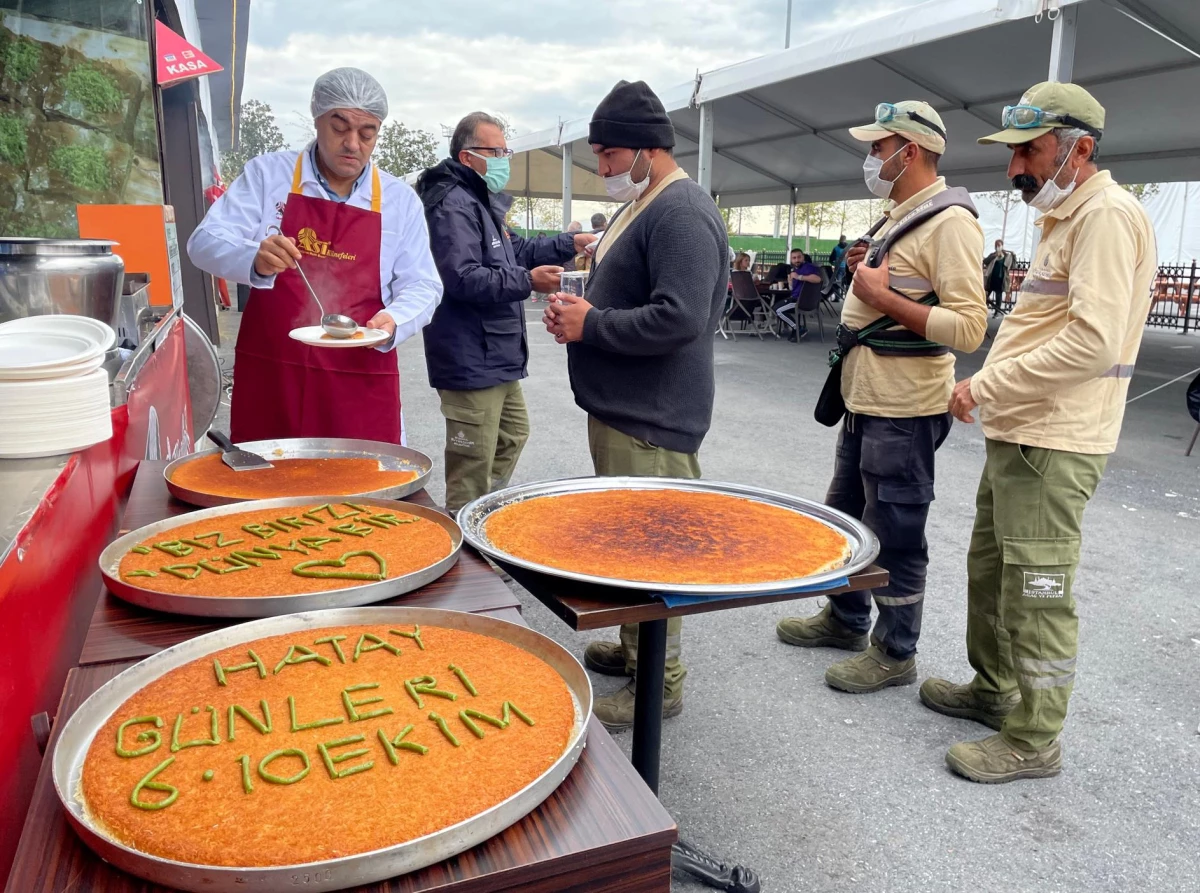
x,y
218,539
295,523
350,529
151,736
149,784
254,664
427,685
299,654
208,775
196,543
334,568
351,706
470,724
331,761
140,550
362,647
483,717
174,548
415,635
441,724
181,571
247,783
258,530
209,566
263,728
511,708
141,574
255,556
398,743
316,542
213,738
332,513
293,546
462,677
298,726
334,641
280,779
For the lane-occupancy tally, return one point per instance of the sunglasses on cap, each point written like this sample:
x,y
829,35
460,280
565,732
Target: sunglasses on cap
x,y
1027,117
887,111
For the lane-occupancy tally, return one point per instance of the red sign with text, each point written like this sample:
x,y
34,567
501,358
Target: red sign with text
x,y
178,60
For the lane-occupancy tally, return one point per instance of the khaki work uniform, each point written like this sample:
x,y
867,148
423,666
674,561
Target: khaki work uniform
x,y
897,418
1052,399
486,429
615,453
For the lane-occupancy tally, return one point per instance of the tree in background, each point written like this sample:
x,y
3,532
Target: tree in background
x,y
1005,200
1142,191
401,150
258,133
544,213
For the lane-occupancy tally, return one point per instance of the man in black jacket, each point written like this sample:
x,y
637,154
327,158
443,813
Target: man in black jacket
x,y
640,347
475,346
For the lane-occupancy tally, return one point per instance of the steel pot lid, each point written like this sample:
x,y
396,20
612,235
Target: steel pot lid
x,y
22,246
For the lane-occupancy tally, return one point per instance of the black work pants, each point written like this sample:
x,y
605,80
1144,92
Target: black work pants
x,y
884,476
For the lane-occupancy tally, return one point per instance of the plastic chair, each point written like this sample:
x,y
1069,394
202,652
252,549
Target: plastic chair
x,y
747,299
808,301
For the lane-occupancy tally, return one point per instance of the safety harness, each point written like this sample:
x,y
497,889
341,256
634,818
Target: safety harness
x,y
882,336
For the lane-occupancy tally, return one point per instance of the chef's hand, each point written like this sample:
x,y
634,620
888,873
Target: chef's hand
x,y
383,320
276,254
962,404
546,279
583,240
855,256
564,317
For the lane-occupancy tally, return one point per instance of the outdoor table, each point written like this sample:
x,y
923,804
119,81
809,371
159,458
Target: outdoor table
x,y
585,606
602,830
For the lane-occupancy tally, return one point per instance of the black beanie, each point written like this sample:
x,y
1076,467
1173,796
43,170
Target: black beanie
x,y
631,117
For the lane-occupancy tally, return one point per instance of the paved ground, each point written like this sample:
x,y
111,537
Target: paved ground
x,y
823,791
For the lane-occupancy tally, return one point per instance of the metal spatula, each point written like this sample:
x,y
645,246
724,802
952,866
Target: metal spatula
x,y
238,460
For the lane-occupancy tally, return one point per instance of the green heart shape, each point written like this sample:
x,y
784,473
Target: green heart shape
x,y
304,568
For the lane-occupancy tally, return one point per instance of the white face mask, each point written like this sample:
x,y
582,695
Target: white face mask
x,y
621,188
1051,194
871,170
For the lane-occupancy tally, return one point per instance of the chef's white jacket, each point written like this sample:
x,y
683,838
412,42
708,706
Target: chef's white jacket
x,y
227,239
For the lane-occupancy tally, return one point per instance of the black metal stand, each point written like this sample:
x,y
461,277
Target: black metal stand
x,y
647,746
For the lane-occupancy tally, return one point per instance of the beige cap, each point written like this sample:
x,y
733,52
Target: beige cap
x,y
904,124
1063,100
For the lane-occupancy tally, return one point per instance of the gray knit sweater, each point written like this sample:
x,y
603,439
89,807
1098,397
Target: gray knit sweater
x,y
645,365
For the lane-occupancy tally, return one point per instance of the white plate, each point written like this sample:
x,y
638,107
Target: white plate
x,y
28,351
65,324
312,336
52,373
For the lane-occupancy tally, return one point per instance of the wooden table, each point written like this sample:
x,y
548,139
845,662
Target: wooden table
x,y
585,606
601,831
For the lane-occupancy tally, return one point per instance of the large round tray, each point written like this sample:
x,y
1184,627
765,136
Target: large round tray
x,y
332,874
474,515
391,456
272,605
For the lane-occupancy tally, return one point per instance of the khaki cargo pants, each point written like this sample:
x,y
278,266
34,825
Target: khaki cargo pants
x,y
615,454
486,430
1022,629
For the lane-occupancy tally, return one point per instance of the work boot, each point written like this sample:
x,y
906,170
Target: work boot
x,y
994,761
606,657
870,671
615,712
961,701
820,631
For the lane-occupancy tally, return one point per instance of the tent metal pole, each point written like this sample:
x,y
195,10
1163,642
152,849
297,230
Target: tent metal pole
x,y
791,218
787,31
1062,45
568,171
705,163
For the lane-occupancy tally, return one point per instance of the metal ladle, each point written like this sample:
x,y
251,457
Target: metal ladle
x,y
335,324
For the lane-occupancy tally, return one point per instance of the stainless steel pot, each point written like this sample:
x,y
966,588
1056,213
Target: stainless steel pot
x,y
41,276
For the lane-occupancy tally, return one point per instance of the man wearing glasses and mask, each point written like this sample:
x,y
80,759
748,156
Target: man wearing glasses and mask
x,y
1051,398
895,384
475,346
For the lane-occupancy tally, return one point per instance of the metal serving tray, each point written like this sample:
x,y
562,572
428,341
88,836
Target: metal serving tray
x,y
391,456
284,603
863,543
332,874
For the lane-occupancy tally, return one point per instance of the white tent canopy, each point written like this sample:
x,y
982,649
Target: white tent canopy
x,y
773,130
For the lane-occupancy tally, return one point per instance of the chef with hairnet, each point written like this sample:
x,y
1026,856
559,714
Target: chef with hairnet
x,y
359,235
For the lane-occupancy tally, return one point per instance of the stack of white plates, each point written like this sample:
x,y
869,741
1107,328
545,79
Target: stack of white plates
x,y
53,393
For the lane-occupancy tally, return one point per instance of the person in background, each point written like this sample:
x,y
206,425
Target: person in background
x,y
742,262
837,260
599,223
896,398
801,271
574,227
572,264
475,346
640,346
361,238
997,276
1051,399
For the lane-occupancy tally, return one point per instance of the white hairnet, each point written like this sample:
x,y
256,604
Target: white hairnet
x,y
349,88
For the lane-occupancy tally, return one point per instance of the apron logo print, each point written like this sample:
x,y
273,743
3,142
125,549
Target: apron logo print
x,y
1044,585
310,243
461,440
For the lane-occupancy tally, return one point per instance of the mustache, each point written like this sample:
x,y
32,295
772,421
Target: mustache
x,y
1025,183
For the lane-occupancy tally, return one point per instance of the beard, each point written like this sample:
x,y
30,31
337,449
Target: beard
x,y
1027,185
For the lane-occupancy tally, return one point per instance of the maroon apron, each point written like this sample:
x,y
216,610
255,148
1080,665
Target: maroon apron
x,y
283,388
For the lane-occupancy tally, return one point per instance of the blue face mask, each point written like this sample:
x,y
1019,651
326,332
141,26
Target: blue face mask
x,y
497,174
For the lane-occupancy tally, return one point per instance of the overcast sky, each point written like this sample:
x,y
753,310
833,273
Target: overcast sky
x,y
533,61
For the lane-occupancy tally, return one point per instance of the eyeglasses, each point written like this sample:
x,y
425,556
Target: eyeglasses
x,y
496,152
1027,117
887,111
